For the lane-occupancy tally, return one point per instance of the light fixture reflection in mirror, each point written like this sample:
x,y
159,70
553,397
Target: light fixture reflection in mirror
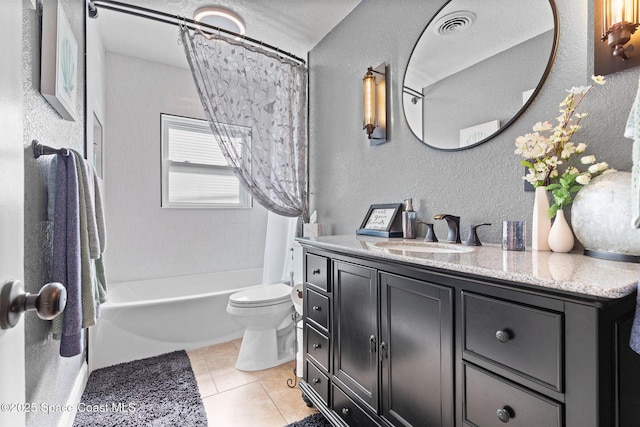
x,y
477,63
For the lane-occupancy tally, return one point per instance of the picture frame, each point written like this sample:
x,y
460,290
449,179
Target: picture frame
x,y
382,220
58,61
474,134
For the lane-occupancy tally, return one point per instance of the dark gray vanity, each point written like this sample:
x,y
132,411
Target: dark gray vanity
x,y
481,337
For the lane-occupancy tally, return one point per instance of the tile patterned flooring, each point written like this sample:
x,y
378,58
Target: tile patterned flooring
x,y
234,398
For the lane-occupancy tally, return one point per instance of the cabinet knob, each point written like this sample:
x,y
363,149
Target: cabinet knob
x,y
317,346
503,336
316,308
372,344
345,411
316,381
504,414
315,271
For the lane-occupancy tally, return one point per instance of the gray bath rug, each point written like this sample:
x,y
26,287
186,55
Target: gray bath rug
x,y
158,391
315,420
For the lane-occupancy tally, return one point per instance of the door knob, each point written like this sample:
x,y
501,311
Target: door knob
x,y
48,303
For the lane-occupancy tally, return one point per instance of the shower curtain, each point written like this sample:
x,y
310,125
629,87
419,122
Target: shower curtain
x,y
255,103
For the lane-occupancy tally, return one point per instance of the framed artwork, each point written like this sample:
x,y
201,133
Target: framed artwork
x,y
382,220
58,61
474,134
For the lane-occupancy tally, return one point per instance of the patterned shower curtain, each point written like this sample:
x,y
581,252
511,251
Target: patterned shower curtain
x,y
255,102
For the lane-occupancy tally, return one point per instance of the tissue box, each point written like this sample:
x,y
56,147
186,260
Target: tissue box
x,y
311,230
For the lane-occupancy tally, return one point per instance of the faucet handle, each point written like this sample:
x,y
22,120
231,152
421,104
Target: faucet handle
x,y
473,239
430,235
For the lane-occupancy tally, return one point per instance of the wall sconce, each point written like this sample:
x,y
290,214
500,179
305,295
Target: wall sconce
x,y
619,21
374,99
615,22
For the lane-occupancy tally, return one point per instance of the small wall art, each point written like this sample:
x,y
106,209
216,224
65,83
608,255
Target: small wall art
x,y
59,60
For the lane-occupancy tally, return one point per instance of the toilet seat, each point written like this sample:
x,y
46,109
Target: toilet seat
x,y
263,296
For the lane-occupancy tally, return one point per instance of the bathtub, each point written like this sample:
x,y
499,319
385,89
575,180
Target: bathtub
x,y
150,317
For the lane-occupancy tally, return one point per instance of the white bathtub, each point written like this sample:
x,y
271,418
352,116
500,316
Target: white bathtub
x,y
149,317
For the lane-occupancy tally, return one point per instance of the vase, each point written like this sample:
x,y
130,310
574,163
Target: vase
x,y
541,223
561,237
601,217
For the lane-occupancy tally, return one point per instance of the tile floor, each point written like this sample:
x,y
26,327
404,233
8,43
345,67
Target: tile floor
x,y
234,398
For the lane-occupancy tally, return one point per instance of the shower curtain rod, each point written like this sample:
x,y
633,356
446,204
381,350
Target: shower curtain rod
x,y
168,18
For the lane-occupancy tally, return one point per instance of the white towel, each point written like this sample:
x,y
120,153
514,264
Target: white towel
x,y
632,131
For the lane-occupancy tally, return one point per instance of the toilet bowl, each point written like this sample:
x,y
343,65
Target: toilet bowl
x,y
265,313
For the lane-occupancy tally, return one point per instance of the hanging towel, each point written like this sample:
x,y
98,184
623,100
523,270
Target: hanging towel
x,y
632,131
66,255
87,267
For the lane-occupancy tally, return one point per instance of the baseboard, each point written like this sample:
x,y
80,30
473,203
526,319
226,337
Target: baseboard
x,y
74,397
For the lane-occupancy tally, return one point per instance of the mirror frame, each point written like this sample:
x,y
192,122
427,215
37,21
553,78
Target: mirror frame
x,y
543,78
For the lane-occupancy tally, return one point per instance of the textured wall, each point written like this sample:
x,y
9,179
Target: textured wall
x,y
482,184
145,240
49,377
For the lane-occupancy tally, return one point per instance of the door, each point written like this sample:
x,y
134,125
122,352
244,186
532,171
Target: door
x,y
355,330
12,385
416,351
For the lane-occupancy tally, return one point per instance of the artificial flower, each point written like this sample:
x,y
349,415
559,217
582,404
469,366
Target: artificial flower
x,y
550,147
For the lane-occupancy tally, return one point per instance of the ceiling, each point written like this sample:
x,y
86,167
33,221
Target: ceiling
x,y
295,26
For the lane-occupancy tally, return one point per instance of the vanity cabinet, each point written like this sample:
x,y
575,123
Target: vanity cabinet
x,y
392,344
395,344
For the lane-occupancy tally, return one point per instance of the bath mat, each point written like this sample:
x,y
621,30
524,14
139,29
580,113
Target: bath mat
x,y
315,420
158,391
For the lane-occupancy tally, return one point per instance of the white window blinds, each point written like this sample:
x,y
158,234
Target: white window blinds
x,y
195,173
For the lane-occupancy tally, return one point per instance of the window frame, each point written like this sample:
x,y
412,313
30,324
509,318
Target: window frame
x,y
168,121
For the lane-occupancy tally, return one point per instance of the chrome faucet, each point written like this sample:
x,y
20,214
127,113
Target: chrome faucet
x,y
454,227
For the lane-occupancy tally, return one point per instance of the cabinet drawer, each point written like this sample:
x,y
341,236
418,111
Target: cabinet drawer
x,y
490,401
318,381
316,307
348,410
317,271
521,339
318,347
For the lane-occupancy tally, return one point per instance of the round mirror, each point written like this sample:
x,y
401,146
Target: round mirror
x,y
476,67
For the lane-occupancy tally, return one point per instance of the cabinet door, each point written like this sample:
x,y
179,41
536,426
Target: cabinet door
x,y
416,351
355,332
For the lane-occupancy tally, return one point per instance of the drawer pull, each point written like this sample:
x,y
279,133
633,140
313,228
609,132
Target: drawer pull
x,y
345,411
315,271
316,381
316,308
504,414
317,346
503,336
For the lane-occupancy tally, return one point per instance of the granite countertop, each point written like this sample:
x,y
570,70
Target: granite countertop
x,y
572,272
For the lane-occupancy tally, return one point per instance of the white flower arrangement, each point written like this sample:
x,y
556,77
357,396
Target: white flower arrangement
x,y
549,147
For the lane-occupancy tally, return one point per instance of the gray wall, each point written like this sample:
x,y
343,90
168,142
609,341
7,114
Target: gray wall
x,y
144,240
49,377
482,184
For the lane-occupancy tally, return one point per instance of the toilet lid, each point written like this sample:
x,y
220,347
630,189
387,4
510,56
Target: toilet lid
x,y
269,294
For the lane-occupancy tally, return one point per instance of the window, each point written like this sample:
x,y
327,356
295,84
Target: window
x,y
195,173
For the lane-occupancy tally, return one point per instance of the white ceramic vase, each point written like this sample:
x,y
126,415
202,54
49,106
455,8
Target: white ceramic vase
x,y
561,237
541,224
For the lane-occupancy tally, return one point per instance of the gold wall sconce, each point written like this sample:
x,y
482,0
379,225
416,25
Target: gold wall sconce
x,y
615,23
374,99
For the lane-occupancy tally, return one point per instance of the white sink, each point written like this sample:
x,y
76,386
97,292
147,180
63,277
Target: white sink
x,y
423,247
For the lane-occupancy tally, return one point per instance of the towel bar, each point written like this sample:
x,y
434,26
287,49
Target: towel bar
x,y
45,150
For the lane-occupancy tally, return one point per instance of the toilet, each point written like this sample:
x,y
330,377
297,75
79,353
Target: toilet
x,y
265,313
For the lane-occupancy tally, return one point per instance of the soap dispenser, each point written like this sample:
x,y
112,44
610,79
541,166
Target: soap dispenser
x,y
409,221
